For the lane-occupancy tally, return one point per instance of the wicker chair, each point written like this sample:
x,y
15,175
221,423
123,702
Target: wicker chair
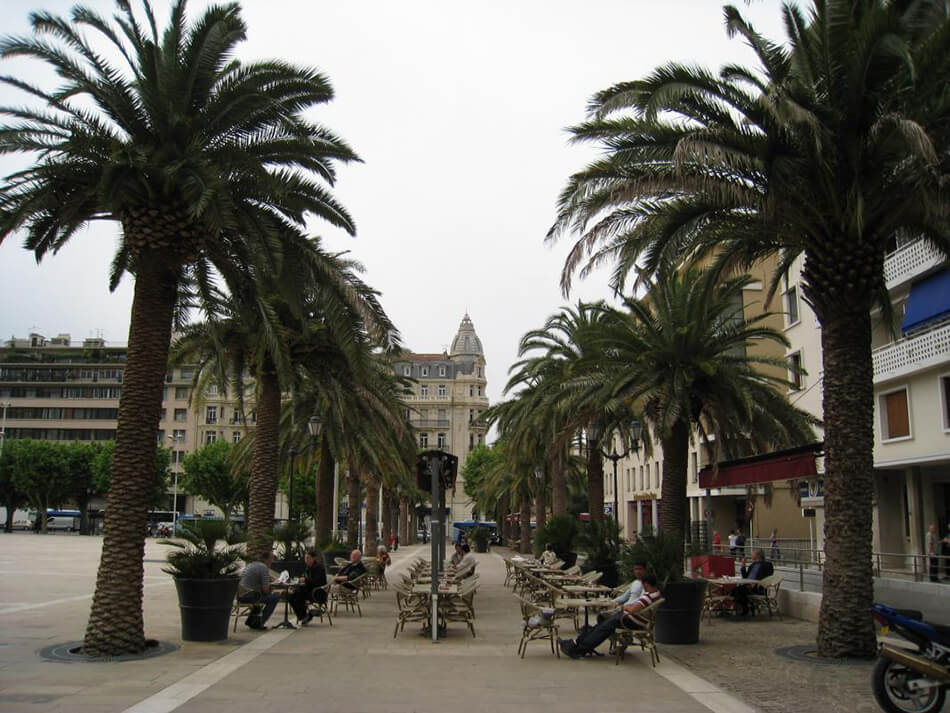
x,y
623,638
768,598
348,596
410,607
240,608
318,608
538,625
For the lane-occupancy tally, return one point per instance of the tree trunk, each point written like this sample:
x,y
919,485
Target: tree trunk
x,y
540,506
558,484
525,524
83,506
595,480
672,509
8,525
353,510
372,517
115,622
386,515
503,524
404,536
325,525
845,627
265,463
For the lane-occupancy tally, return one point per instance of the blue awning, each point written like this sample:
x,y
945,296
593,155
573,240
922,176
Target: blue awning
x,y
929,300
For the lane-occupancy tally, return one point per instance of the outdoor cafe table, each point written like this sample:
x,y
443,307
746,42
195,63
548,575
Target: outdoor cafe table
x,y
588,604
285,589
445,591
587,589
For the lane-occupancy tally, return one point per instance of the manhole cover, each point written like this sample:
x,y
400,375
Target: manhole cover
x,y
809,654
71,651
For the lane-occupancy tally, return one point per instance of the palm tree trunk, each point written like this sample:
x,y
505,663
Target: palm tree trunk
x,y
845,627
504,511
558,484
672,510
540,506
115,622
372,516
265,463
404,536
353,506
386,514
324,486
525,523
595,480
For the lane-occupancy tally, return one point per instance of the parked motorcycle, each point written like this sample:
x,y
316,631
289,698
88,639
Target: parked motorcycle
x,y
911,678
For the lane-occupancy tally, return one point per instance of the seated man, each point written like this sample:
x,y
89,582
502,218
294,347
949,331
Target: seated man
x,y
759,569
549,556
626,617
306,591
255,588
457,555
353,570
466,567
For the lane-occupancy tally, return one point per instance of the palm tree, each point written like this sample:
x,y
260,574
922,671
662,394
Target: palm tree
x,y
686,356
209,166
829,149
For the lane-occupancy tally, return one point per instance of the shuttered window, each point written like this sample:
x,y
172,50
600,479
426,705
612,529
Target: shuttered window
x,y
897,419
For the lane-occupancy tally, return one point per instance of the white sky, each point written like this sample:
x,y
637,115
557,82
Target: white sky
x,y
458,111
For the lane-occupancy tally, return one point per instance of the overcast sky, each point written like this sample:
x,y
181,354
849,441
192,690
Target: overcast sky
x,y
458,111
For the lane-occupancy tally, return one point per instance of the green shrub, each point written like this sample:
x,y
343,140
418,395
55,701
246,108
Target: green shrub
x,y
663,554
199,557
560,532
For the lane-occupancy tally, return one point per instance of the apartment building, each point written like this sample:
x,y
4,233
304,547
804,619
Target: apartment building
x,y
447,400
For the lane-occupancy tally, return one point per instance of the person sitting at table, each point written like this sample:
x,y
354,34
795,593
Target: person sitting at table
x,y
549,556
383,560
635,590
307,591
351,571
458,555
626,617
466,567
255,589
759,569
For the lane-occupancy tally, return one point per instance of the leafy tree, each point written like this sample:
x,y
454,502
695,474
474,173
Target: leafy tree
x,y
210,473
305,491
828,150
10,496
211,168
40,472
158,475
80,465
477,466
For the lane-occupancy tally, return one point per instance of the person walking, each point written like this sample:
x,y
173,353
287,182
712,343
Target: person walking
x,y
774,553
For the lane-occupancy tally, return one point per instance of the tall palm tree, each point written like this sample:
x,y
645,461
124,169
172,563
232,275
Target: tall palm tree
x,y
208,165
684,354
828,149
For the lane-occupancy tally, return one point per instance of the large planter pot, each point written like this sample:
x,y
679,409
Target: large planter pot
x,y
677,619
205,606
481,545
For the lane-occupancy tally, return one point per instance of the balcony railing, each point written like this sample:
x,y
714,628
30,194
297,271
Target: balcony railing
x,y
911,354
431,423
427,397
909,261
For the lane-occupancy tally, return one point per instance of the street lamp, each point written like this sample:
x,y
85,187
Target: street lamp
x,y
613,456
3,424
313,426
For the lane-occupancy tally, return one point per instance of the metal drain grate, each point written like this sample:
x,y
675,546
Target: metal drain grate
x,y
71,652
809,654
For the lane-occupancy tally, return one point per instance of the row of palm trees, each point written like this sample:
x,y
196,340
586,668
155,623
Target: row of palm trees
x,y
212,166
834,144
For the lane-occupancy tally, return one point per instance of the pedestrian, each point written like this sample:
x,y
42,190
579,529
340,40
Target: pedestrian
x,y
932,558
774,553
717,542
732,542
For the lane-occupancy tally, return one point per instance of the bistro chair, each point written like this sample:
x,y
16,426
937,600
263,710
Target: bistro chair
x,y
768,597
240,608
409,606
320,608
539,624
349,597
623,638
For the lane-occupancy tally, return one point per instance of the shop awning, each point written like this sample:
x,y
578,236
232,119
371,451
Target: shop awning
x,y
791,464
929,300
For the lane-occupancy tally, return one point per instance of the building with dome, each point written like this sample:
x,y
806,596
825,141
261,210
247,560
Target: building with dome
x,y
446,400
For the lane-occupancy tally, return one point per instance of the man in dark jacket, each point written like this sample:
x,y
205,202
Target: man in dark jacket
x,y
758,570
304,593
351,571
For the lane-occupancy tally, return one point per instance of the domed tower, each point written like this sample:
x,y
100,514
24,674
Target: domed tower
x,y
470,400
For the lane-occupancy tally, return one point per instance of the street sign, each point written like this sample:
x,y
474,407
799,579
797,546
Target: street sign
x,y
608,509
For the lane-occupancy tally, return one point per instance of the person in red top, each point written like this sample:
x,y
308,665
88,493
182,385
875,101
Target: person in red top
x,y
626,617
717,541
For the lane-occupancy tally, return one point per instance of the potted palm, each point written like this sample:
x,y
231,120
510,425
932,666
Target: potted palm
x,y
559,532
600,540
291,547
677,620
480,536
205,577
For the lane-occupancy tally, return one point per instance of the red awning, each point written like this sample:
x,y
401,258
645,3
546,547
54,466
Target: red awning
x,y
760,469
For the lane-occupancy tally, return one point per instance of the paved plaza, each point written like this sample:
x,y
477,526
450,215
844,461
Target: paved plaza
x,y
356,665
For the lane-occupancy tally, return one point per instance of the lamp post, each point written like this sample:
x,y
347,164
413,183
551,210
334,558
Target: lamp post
x,y
613,457
313,426
3,424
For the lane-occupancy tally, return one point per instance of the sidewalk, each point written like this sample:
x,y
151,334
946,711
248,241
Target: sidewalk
x,y
355,666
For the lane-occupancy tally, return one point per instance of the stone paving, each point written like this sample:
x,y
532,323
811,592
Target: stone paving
x,y
357,665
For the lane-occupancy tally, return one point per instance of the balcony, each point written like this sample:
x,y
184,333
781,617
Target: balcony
x,y
921,351
431,423
909,261
429,397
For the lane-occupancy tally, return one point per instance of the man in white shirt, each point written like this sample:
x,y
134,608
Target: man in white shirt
x,y
466,568
633,592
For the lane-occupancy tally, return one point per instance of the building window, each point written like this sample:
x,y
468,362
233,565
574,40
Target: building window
x,y
443,416
441,371
211,436
471,415
235,436
211,414
440,440
945,393
212,389
179,435
407,371
165,394
187,372
160,437
795,371
407,412
791,306
423,440
471,390
442,390
895,415
481,438
471,440
424,371
424,391
479,390
656,474
181,414
478,371
181,393
641,478
178,456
